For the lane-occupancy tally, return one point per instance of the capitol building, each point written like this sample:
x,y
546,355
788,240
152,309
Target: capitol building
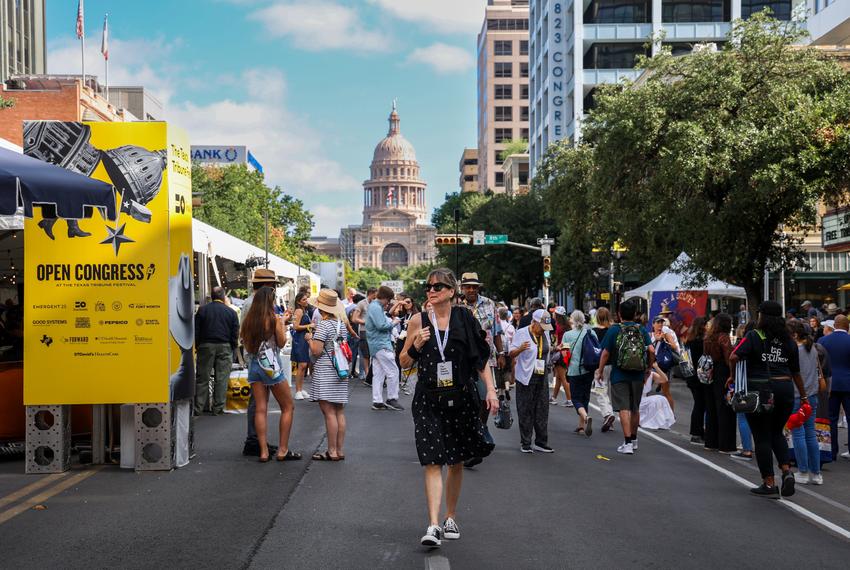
x,y
395,231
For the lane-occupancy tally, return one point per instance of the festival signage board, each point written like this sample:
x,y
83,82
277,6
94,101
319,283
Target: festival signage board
x,y
108,279
685,306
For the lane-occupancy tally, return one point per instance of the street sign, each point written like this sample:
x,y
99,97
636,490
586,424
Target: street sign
x,y
396,285
546,241
546,250
494,239
605,296
478,238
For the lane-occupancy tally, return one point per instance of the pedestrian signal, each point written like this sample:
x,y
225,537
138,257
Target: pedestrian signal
x,y
547,267
452,239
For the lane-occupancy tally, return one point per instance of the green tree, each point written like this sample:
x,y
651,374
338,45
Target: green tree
x,y
467,202
366,277
516,146
6,103
713,153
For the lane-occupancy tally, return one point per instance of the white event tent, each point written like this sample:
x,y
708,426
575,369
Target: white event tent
x,y
672,279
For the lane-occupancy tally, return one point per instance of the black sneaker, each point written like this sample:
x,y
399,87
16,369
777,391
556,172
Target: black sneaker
x,y
588,427
697,440
787,484
606,425
470,463
432,537
379,406
765,491
450,529
526,449
542,448
394,405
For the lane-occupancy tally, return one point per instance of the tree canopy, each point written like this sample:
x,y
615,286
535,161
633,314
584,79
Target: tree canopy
x,y
713,153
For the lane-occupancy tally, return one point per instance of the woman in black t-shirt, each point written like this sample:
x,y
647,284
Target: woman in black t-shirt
x,y
772,364
694,346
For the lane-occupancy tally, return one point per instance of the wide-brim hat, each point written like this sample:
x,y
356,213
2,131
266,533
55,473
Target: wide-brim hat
x,y
832,308
263,275
181,304
328,301
470,278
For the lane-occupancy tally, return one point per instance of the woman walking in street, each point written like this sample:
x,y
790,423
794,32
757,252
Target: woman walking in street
x,y
562,325
806,448
327,387
579,377
720,433
302,325
451,353
699,391
773,363
263,334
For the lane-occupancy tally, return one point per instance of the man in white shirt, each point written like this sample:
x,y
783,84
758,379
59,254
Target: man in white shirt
x,y
529,350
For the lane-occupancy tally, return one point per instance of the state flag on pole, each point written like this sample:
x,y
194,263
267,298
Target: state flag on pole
x,y
81,29
390,196
104,44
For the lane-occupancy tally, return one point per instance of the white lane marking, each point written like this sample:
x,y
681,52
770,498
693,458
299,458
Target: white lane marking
x,y
817,519
437,562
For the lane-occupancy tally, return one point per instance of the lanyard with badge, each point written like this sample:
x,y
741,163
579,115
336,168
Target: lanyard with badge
x,y
444,368
539,363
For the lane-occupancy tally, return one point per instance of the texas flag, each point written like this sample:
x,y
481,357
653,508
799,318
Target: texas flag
x,y
390,196
104,43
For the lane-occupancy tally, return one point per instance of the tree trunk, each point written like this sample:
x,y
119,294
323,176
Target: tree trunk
x,y
755,292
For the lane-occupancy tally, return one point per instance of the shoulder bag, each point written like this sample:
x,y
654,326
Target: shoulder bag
x,y
340,354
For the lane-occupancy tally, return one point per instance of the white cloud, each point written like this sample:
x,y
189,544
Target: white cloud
x,y
446,16
319,25
329,219
443,58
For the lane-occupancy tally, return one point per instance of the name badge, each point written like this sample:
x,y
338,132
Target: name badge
x,y
444,375
539,366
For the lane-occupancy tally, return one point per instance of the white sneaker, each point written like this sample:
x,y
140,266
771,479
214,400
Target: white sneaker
x,y
299,395
432,536
634,444
816,479
846,455
553,401
450,529
626,449
801,478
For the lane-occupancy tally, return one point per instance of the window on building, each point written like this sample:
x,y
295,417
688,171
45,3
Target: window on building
x,y
618,12
613,56
503,135
497,157
523,69
523,47
503,69
523,114
781,8
590,100
696,10
507,24
523,134
503,47
503,114
679,48
523,91
500,179
503,91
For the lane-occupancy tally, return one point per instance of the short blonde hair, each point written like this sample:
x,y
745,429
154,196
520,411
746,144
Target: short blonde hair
x,y
577,317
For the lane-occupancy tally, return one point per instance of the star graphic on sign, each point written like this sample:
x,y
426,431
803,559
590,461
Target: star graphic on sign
x,y
116,237
127,205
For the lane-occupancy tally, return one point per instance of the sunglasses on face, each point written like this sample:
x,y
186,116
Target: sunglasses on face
x,y
436,287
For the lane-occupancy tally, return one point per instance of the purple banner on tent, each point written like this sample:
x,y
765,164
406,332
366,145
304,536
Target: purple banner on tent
x,y
679,307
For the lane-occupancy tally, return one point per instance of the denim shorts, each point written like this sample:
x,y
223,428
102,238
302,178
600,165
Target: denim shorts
x,y
257,374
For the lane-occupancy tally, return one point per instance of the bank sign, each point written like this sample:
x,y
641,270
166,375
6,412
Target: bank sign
x,y
220,154
835,233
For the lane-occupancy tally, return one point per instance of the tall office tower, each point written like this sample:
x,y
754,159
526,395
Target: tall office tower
x,y
577,46
502,87
21,38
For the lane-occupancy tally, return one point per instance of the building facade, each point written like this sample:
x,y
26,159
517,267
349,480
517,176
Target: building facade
x,y
395,232
516,174
468,170
139,101
503,74
22,38
828,22
574,47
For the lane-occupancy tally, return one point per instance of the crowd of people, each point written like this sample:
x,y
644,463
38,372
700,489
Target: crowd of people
x,y
468,353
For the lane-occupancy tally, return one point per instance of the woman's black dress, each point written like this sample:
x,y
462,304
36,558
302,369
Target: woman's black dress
x,y
450,435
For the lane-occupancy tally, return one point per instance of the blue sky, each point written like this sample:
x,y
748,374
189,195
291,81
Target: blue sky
x,y
306,84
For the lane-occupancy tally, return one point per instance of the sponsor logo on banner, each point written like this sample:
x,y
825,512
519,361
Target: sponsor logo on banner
x,y
80,306
138,339
50,306
143,306
107,323
83,323
100,307
117,306
49,322
111,339
76,340
46,341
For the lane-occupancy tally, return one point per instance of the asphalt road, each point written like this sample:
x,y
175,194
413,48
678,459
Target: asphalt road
x,y
583,506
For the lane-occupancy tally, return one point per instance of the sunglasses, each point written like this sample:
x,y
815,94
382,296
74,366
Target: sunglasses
x,y
436,287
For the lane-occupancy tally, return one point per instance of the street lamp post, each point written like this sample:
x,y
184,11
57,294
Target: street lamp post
x,y
457,241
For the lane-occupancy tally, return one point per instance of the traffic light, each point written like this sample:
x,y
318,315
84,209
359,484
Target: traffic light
x,y
452,239
547,267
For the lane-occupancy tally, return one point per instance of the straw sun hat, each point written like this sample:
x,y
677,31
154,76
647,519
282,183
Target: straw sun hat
x,y
327,300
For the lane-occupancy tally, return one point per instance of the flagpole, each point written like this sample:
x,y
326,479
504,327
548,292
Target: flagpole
x,y
83,56
104,48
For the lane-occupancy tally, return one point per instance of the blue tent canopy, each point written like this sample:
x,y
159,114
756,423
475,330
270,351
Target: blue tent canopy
x,y
26,181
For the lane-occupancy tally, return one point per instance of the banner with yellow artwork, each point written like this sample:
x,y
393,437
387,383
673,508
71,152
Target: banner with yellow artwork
x,y
108,280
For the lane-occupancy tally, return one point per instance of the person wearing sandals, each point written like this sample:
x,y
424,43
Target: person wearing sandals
x,y
327,387
580,378
262,329
451,354
773,365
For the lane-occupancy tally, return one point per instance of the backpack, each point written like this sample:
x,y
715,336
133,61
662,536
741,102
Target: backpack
x,y
268,361
631,351
591,351
705,369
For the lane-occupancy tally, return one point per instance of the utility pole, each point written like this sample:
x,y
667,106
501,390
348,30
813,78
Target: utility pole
x,y
267,235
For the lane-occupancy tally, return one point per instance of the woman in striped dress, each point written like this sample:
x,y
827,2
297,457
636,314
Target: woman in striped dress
x,y
327,387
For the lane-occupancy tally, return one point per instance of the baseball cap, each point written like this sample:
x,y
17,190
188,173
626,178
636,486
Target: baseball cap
x,y
540,316
830,323
560,310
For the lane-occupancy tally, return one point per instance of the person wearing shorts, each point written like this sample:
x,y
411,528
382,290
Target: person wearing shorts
x,y
626,385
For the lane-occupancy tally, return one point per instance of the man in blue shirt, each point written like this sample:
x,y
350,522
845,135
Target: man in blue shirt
x,y
837,345
629,349
384,368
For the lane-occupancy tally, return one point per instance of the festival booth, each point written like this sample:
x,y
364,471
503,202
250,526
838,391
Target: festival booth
x,y
669,291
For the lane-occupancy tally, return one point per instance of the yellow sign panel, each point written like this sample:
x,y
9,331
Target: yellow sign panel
x,y
108,287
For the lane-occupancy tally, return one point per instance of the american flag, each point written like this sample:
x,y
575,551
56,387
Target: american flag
x,y
81,29
390,196
104,44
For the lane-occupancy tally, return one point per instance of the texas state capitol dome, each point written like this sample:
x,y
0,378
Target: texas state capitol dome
x,y
395,230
